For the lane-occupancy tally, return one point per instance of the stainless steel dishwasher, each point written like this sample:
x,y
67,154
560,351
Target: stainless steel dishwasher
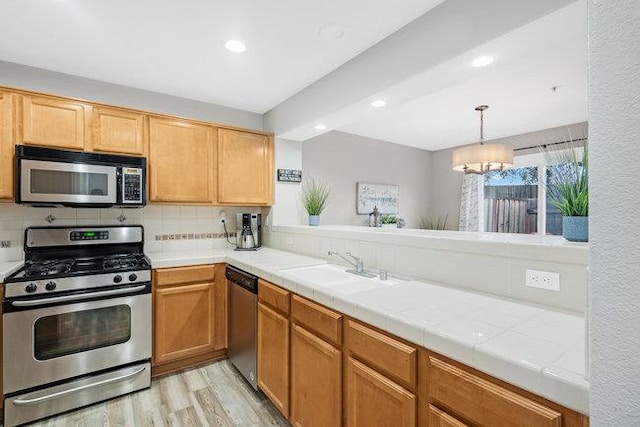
x,y
243,322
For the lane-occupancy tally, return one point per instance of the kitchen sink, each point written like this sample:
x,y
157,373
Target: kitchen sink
x,y
337,278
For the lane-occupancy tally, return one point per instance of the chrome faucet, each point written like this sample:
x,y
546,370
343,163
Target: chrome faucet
x,y
356,262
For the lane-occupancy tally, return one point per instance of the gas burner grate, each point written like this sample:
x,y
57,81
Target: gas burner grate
x,y
119,262
48,267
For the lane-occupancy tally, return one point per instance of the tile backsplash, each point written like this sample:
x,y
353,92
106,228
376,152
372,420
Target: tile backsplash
x,y
166,227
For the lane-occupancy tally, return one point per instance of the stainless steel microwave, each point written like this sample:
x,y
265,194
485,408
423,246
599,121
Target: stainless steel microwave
x,y
51,177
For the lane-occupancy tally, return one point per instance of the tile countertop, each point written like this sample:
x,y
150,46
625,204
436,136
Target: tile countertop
x,y
537,349
9,267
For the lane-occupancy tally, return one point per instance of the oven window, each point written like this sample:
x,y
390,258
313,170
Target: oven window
x,y
65,182
79,331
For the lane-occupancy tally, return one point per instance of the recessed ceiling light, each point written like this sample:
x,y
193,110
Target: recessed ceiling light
x,y
235,46
378,103
331,32
482,61
321,127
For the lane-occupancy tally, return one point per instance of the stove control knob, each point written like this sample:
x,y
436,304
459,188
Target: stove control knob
x,y
117,279
50,286
133,277
31,288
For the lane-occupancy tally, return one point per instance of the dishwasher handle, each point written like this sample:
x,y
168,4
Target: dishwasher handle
x,y
243,279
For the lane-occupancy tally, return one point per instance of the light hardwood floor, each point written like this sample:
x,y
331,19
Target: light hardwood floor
x,y
213,395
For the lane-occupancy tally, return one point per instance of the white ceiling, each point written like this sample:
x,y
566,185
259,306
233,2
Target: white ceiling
x,y
177,47
435,109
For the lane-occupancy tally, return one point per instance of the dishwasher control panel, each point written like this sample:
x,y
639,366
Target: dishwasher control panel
x,y
242,278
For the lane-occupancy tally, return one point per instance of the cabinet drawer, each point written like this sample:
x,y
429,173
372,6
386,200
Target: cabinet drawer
x,y
484,402
317,319
392,357
274,296
438,418
180,275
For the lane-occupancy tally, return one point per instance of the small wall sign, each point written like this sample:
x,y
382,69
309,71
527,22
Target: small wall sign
x,y
289,175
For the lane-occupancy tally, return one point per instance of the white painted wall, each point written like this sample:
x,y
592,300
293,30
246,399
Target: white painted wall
x,y
342,159
36,79
614,129
287,209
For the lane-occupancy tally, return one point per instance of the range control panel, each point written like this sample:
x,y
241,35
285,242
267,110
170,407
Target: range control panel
x,y
89,235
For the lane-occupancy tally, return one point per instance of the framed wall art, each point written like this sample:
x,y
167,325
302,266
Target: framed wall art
x,y
384,196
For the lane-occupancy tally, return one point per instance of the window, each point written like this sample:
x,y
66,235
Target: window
x,y
513,198
511,201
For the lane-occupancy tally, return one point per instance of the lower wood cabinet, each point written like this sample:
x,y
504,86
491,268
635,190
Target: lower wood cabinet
x,y
273,356
316,380
374,400
189,316
321,368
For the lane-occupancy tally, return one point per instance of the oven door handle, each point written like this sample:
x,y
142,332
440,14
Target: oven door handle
x,y
19,402
43,301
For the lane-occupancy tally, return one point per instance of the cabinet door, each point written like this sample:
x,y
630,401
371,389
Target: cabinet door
x,y
374,400
53,122
184,321
181,161
117,131
245,168
6,145
316,381
273,357
438,418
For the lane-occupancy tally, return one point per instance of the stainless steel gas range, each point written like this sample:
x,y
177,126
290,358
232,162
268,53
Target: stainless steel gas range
x,y
76,320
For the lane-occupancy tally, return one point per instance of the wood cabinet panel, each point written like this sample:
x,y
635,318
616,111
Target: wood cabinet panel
x,y
316,381
7,144
183,275
182,163
390,356
53,122
317,319
118,131
275,297
484,402
273,357
374,400
184,321
438,418
245,174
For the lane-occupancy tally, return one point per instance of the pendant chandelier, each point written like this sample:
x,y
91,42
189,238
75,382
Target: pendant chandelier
x,y
482,158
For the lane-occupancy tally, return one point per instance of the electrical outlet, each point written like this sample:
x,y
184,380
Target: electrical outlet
x,y
543,280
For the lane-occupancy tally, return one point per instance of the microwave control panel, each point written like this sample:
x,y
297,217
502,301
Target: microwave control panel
x,y
132,185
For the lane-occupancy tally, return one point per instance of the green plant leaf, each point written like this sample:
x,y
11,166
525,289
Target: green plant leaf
x,y
314,196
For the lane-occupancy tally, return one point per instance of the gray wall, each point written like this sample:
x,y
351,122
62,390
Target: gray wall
x,y
614,129
36,79
343,159
447,184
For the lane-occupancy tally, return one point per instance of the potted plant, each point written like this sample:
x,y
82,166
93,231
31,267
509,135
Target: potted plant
x,y
568,189
389,221
314,198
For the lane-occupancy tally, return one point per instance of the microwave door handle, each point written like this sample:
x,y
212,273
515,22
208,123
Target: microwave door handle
x,y
19,402
43,301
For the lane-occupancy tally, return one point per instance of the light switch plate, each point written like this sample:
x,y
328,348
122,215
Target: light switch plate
x,y
543,280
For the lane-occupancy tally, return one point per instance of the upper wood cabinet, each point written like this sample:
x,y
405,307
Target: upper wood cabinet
x,y
182,162
6,145
245,174
117,131
52,122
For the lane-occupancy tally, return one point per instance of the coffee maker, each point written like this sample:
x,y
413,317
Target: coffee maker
x,y
248,231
